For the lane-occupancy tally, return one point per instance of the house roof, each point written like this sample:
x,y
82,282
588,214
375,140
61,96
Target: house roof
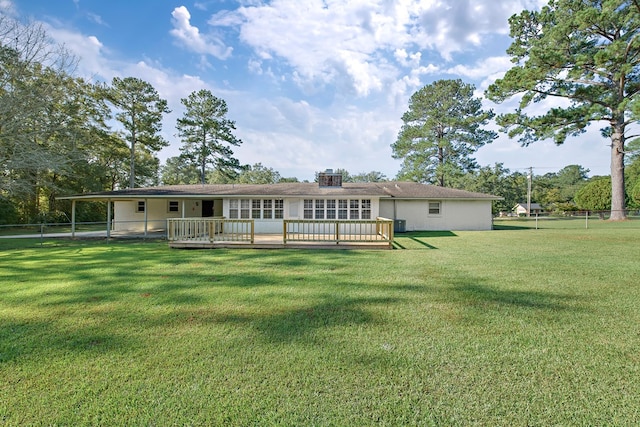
x,y
533,205
390,189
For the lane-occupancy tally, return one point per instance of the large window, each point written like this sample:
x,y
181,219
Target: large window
x,y
337,209
256,208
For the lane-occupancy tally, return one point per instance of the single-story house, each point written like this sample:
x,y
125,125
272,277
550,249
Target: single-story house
x,y
416,206
521,209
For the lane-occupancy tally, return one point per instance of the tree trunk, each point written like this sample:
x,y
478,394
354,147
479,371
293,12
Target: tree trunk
x,y
617,174
132,167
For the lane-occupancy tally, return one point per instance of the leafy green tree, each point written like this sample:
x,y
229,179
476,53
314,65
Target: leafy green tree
x,y
499,181
442,130
288,179
140,111
586,52
555,191
596,195
207,134
373,176
258,174
176,171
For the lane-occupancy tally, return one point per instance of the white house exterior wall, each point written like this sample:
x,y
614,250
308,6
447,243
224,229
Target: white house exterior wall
x,y
454,214
126,217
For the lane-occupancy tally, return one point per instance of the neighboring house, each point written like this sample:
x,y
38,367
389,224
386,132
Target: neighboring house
x,y
420,206
521,209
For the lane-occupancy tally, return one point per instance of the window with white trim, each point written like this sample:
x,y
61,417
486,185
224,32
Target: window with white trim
x,y
140,206
319,214
244,208
342,209
256,208
366,209
308,209
278,208
354,209
434,208
331,209
233,208
337,209
173,206
267,209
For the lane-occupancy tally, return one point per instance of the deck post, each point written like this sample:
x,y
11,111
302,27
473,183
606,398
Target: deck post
x,y
284,231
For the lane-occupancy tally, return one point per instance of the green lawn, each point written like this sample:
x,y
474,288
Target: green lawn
x,y
506,327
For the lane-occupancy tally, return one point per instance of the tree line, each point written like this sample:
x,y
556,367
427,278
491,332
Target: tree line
x,y
60,134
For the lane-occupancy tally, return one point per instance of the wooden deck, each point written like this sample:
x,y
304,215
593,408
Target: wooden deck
x,y
275,241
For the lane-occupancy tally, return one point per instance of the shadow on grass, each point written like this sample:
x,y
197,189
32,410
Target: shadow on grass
x,y
416,239
484,296
512,227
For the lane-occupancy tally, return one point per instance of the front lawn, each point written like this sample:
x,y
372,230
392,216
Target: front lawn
x,y
507,327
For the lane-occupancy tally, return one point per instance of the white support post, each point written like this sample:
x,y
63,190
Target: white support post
x,y
146,216
73,219
108,219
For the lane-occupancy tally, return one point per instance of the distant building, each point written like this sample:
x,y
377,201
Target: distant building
x,y
521,209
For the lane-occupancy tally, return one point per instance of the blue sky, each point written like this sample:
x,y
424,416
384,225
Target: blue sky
x,y
311,84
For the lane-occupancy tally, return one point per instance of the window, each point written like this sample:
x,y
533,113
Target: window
x,y
255,209
140,206
174,206
244,208
331,209
354,209
366,209
342,209
279,208
308,209
267,209
434,208
233,209
319,209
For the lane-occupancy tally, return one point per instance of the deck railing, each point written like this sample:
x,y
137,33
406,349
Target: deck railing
x,y
210,230
336,231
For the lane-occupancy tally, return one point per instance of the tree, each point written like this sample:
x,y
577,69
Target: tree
x,y
496,180
441,131
207,135
140,112
596,195
588,53
258,174
176,171
373,176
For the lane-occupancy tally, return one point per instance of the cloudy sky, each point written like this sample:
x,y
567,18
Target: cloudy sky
x,y
311,84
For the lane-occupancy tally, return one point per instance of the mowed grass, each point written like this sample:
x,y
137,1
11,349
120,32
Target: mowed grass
x,y
506,327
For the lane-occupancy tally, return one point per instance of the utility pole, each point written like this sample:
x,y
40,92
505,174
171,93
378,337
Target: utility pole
x,y
529,178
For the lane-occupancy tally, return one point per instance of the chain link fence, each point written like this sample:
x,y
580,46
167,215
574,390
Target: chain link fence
x,y
570,220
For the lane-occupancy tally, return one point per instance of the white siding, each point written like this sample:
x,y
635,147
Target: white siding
x,y
454,214
126,217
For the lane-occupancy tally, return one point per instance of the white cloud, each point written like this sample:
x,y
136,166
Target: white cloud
x,y
190,36
7,7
